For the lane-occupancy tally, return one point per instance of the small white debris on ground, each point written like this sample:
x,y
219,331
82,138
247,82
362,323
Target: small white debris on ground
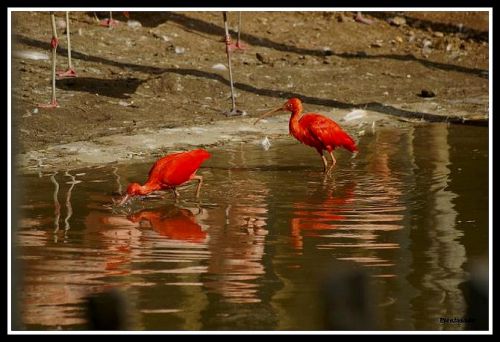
x,y
34,55
266,144
219,66
355,114
179,50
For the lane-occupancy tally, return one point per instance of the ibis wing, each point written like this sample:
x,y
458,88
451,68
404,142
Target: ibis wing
x,y
328,132
177,168
162,163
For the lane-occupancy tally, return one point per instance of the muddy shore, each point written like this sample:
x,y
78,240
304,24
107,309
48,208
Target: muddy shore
x,y
155,83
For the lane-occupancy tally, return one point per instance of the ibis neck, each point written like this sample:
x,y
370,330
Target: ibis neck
x,y
148,188
294,120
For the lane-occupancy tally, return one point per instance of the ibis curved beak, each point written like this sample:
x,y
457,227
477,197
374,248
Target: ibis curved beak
x,y
267,113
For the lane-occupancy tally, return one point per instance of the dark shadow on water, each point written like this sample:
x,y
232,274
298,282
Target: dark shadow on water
x,y
282,95
118,88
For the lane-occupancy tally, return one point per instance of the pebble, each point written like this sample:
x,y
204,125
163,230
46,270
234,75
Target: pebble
x,y
219,66
427,93
397,21
134,24
262,58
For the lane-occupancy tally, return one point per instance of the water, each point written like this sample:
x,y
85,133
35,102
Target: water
x,y
411,209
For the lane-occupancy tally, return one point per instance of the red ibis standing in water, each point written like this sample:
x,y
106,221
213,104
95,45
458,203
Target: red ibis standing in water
x,y
315,130
170,172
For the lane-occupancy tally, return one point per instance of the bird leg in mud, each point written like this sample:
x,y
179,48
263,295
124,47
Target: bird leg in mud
x,y
109,22
233,111
239,45
70,72
200,182
53,43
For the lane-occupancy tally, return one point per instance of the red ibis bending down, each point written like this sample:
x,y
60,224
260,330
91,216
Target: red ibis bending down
x,y
315,130
170,172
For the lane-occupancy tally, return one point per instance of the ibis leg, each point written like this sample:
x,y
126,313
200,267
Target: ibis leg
x,y
325,162
53,43
176,193
233,111
239,45
334,161
200,182
70,72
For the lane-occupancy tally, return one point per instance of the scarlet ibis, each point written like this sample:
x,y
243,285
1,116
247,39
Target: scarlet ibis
x,y
169,172
233,111
315,130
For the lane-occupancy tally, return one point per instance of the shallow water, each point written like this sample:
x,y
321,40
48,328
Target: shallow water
x,y
411,209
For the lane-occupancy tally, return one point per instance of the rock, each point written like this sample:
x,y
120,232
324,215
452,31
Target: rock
x,y
427,93
60,23
397,21
179,50
327,51
134,24
426,51
399,39
219,66
262,58
427,43
438,34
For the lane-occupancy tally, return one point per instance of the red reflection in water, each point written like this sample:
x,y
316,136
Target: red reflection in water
x,y
172,222
311,217
115,235
237,250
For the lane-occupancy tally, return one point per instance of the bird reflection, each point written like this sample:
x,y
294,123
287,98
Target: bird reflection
x,y
309,216
172,222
